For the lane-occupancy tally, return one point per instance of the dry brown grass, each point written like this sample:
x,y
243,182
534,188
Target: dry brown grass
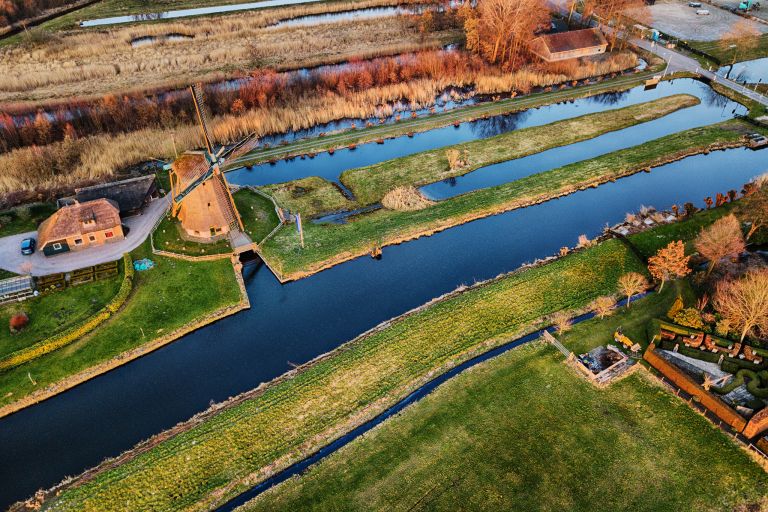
x,y
63,165
405,199
539,75
88,63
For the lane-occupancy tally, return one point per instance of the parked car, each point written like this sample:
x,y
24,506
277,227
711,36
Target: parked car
x,y
702,12
28,246
694,4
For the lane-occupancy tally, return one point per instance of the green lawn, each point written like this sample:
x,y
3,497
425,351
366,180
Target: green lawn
x,y
723,51
633,320
52,313
304,412
257,212
169,296
24,218
5,274
329,244
167,237
369,184
524,432
309,196
648,242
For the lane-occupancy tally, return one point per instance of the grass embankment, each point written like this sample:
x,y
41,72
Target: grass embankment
x,y
422,124
309,196
327,245
257,213
24,218
369,184
294,416
524,432
163,299
54,312
721,49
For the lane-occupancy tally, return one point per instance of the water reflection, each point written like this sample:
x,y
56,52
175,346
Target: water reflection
x,y
496,125
712,109
610,98
751,71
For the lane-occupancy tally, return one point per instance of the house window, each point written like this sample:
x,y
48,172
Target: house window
x,y
108,234
57,246
91,238
78,241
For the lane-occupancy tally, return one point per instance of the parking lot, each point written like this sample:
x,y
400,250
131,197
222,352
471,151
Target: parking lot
x,y
676,18
761,13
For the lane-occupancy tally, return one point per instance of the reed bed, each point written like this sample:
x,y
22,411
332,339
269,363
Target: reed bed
x,y
60,166
90,62
547,75
405,199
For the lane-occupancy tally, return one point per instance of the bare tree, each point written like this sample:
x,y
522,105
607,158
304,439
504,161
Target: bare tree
x,y
669,262
754,207
742,36
631,284
562,321
743,303
602,306
500,30
720,240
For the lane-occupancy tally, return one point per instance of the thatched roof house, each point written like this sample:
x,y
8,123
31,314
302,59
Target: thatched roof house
x,y
569,45
131,195
80,225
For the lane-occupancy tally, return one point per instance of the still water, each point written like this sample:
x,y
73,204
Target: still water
x,y
293,323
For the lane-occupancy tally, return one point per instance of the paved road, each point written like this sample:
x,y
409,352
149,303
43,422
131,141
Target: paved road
x,y
139,225
679,62
676,60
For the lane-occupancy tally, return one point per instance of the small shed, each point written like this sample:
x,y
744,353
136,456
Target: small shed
x,y
16,288
80,225
569,45
130,195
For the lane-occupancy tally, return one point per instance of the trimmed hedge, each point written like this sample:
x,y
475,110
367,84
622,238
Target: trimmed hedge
x,y
76,332
755,379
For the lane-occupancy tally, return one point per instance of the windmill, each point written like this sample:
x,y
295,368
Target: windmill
x,y
201,198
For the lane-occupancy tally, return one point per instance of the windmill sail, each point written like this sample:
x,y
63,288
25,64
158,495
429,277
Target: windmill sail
x,y
197,99
201,197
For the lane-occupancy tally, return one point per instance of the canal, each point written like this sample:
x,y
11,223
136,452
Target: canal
x,y
293,323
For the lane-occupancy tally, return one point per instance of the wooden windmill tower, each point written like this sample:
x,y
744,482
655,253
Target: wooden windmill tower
x,y
202,200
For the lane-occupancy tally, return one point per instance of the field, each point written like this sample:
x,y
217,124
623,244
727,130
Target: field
x,y
722,50
54,312
165,298
88,63
524,432
369,184
329,245
296,415
308,196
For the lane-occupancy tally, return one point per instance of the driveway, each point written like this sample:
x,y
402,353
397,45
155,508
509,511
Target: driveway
x,y
139,225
